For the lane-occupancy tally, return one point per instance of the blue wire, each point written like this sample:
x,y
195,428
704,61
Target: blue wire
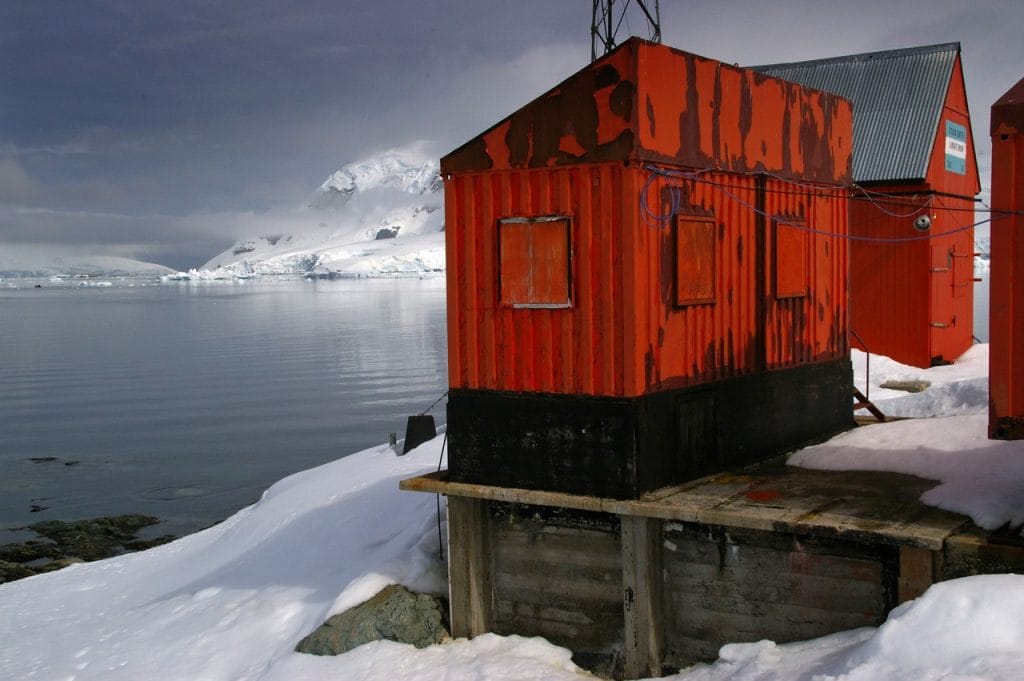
x,y
675,203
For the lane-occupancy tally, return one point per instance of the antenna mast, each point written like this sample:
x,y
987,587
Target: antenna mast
x,y
606,23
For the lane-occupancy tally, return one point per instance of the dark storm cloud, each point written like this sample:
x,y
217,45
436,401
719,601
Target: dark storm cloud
x,y
165,127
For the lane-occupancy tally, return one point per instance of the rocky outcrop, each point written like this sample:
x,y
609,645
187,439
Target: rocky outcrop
x,y
394,614
67,542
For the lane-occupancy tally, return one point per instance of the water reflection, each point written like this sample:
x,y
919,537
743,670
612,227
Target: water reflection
x,y
186,402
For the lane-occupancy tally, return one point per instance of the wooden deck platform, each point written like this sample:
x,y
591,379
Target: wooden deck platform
x,y
868,506
769,551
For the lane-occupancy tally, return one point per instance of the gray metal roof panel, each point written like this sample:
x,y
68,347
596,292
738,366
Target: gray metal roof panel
x,y
897,100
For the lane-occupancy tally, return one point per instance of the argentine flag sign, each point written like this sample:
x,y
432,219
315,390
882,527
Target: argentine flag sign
x,y
956,148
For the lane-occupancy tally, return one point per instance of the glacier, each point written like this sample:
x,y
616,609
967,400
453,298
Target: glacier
x,y
32,261
379,216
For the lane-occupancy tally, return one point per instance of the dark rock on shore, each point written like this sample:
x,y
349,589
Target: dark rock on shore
x,y
66,542
394,614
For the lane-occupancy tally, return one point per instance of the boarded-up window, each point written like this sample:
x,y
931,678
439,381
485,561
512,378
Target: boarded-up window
x,y
791,239
695,260
535,262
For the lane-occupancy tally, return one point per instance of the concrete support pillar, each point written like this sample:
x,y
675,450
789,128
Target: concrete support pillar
x,y
641,577
1006,316
469,566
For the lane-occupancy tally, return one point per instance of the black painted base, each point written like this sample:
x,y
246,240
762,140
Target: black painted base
x,y
1006,428
623,447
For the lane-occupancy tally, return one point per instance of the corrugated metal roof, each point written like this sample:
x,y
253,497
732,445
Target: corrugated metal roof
x,y
897,100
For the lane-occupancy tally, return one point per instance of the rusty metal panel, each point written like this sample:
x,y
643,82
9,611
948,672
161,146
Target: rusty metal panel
x,y
580,349
897,95
585,119
747,328
699,343
625,334
812,327
791,256
695,247
890,294
1006,325
701,113
650,102
580,152
535,262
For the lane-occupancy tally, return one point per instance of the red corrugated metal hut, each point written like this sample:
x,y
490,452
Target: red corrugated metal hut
x,y
645,282
911,290
1006,357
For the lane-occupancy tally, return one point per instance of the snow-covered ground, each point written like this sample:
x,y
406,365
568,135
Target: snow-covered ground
x,y
956,389
231,602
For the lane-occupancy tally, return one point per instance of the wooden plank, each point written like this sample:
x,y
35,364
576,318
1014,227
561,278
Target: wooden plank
x,y
469,567
863,506
917,572
641,577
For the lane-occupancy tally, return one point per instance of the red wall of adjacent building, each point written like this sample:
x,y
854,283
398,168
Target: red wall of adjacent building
x,y
911,295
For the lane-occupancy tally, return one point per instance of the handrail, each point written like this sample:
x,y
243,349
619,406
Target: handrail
x,y
867,364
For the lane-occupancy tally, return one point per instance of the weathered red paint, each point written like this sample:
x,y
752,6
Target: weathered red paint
x,y
581,152
913,300
1006,300
648,102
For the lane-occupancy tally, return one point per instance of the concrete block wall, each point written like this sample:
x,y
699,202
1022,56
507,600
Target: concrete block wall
x,y
558,573
740,585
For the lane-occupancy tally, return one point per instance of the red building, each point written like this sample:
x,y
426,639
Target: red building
x,y
1006,357
647,277
912,254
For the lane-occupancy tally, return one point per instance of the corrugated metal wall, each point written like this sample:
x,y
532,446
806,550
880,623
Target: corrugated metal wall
x,y
889,280
951,318
624,334
912,300
578,350
814,326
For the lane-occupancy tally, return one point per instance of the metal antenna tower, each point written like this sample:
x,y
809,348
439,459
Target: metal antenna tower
x,y
607,19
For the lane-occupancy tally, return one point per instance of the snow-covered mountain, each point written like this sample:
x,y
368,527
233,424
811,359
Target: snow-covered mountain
x,y
402,170
379,216
982,250
19,260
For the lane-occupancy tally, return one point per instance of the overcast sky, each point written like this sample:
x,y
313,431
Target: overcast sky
x,y
165,130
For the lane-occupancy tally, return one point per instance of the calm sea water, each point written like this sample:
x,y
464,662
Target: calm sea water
x,y
187,401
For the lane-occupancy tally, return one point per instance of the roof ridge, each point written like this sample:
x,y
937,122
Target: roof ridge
x,y
866,56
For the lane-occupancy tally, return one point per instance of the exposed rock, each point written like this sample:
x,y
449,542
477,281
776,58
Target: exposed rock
x,y
29,551
74,542
907,386
12,571
394,614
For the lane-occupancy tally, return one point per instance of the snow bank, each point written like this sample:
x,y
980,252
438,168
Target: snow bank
x,y
963,630
978,477
230,603
958,388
